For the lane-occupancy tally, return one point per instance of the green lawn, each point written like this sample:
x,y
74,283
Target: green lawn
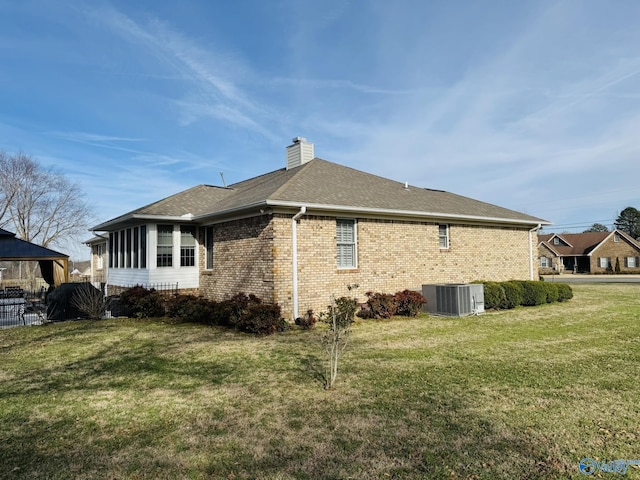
x,y
525,393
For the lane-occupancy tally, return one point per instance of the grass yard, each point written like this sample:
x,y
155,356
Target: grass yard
x,y
525,393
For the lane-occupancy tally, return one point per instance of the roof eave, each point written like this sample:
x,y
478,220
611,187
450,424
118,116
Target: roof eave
x,y
407,213
136,217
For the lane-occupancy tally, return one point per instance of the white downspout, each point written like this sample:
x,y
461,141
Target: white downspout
x,y
531,269
294,248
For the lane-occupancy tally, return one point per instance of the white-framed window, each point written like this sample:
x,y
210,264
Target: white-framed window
x,y
187,245
443,236
556,241
99,256
164,253
545,262
346,240
604,262
208,245
143,246
631,262
616,237
127,248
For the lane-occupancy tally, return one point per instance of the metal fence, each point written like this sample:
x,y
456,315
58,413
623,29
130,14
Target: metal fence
x,y
165,289
19,307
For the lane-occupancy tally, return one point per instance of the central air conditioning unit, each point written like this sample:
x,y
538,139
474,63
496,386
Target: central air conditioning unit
x,y
454,299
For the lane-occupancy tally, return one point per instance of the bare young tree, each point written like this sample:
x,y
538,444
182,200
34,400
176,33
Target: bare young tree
x,y
40,204
339,318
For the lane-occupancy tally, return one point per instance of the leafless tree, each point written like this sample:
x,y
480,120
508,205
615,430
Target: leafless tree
x,y
8,177
40,204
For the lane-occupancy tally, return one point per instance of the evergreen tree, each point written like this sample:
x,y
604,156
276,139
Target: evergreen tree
x,y
628,221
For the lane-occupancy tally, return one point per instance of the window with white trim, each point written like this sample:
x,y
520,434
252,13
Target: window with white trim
x,y
545,262
443,236
164,253
616,237
99,256
631,262
187,245
346,243
208,245
604,262
127,248
143,246
135,247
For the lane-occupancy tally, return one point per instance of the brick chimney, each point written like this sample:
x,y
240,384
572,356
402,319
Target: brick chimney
x,y
298,153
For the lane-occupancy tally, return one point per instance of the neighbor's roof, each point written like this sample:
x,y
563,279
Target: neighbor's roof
x,y
572,244
322,185
12,248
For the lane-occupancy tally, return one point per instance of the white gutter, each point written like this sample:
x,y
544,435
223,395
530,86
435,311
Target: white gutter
x,y
409,213
531,269
294,248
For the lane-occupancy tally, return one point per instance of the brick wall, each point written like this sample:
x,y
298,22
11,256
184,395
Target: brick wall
x,y
243,260
99,274
556,263
392,256
255,256
612,250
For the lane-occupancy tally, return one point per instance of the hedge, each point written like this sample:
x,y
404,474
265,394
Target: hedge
x,y
514,293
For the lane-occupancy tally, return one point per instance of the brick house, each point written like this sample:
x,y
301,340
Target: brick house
x,y
98,260
589,252
297,235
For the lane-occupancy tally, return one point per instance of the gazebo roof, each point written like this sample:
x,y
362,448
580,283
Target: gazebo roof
x,y
12,248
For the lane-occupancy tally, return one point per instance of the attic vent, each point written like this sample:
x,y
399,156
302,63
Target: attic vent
x,y
299,153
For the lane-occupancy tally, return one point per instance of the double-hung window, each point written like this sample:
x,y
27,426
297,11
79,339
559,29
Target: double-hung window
x,y
346,243
165,246
187,246
631,262
443,236
604,262
208,243
99,257
545,262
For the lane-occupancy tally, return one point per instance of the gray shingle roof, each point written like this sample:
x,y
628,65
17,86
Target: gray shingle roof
x,y
320,183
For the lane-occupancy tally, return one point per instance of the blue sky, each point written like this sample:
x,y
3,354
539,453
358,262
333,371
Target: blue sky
x,y
531,105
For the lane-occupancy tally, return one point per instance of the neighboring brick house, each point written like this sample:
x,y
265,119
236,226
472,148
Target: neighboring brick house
x,y
98,260
589,252
299,235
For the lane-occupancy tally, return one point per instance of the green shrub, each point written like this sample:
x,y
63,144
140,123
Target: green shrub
x,y
345,309
142,302
565,292
382,305
262,319
238,305
494,295
552,292
513,293
409,303
224,314
533,293
190,308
